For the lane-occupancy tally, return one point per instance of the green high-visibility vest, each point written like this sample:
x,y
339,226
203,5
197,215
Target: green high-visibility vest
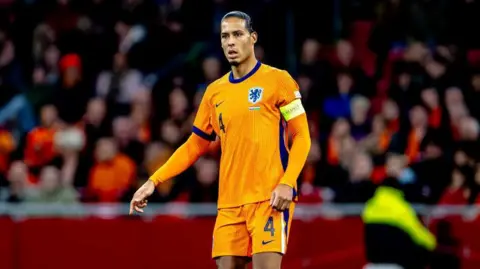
x,y
389,207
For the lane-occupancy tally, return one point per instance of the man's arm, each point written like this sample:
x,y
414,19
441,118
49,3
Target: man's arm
x,y
196,145
186,155
292,111
299,151
291,108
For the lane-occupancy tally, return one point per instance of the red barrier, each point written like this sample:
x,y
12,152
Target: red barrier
x,y
7,243
173,243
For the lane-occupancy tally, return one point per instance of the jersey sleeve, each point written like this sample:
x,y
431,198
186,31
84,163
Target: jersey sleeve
x,y
202,125
289,102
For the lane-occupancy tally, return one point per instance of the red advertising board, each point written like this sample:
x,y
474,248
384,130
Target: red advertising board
x,y
167,242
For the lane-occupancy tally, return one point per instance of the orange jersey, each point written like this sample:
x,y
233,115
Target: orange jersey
x,y
39,148
249,116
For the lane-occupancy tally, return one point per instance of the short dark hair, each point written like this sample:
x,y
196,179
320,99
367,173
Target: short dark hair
x,y
241,15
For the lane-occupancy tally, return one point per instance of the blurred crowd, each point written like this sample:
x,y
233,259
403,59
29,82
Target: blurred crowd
x,y
96,95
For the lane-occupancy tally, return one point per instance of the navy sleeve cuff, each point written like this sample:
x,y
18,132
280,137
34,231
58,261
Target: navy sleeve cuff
x,y
202,134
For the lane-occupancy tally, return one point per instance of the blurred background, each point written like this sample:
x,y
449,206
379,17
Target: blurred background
x,y
95,95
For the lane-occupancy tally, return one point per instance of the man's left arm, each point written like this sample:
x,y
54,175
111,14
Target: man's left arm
x,y
299,151
293,113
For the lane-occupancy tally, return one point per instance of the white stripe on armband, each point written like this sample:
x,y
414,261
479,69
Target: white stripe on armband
x,y
290,111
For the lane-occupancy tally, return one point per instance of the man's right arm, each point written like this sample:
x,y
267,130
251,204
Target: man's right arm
x,y
186,155
196,145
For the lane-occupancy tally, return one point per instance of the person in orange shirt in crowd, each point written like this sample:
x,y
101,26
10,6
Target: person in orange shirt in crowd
x,y
39,149
340,132
7,146
377,144
113,173
419,128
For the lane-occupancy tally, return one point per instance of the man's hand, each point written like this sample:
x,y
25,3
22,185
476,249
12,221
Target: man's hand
x,y
281,197
139,200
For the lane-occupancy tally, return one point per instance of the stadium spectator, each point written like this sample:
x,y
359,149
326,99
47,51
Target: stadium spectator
x,y
17,177
51,189
135,71
39,147
7,146
119,85
112,175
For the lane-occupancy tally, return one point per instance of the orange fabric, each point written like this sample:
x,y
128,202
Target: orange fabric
x,y
109,180
243,231
7,145
413,147
332,152
186,155
299,151
384,140
39,148
153,165
252,132
435,117
144,133
246,116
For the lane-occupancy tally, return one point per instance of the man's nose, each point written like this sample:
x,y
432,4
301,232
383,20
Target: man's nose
x,y
230,41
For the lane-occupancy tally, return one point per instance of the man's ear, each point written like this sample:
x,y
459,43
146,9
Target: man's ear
x,y
254,37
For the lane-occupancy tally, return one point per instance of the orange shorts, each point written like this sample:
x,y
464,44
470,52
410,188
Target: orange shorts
x,y
250,229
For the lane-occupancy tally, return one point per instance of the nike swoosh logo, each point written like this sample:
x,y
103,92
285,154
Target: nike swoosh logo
x,y
266,242
218,104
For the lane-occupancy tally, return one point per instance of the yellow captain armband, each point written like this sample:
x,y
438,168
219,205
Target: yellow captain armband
x,y
290,111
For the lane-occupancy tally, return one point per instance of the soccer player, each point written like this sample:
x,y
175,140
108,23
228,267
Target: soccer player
x,y
249,109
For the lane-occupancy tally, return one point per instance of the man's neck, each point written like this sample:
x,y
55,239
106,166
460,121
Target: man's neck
x,y
244,68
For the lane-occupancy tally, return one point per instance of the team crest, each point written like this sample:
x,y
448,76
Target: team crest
x,y
255,94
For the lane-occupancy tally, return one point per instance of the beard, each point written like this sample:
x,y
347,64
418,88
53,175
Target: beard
x,y
234,63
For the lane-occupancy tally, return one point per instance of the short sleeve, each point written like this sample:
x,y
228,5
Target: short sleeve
x,y
289,101
202,125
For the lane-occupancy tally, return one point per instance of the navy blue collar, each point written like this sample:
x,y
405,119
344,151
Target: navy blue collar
x,y
238,80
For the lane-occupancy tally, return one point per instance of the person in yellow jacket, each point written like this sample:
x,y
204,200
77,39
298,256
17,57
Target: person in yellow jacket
x,y
394,235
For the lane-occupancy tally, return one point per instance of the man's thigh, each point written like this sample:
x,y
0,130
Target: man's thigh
x,y
230,235
269,228
232,262
267,260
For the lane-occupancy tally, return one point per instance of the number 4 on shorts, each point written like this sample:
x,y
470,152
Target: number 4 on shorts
x,y
269,226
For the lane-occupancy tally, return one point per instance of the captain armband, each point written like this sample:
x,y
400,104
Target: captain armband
x,y
292,110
